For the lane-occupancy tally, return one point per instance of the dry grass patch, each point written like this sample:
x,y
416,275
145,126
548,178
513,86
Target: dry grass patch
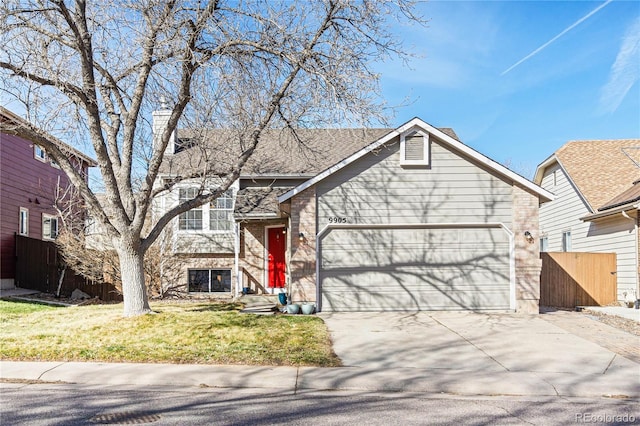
x,y
200,333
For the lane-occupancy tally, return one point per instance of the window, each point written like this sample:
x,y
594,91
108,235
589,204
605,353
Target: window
x,y
566,241
544,244
209,280
414,149
49,227
24,221
39,153
191,220
217,216
221,212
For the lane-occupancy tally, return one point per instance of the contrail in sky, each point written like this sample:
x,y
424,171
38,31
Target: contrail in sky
x,y
566,30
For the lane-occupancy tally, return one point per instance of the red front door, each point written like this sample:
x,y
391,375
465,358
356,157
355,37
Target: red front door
x,y
276,247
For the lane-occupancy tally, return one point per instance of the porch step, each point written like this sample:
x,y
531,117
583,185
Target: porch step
x,y
259,299
259,304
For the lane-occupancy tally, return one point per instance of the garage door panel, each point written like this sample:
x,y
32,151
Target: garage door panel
x,y
407,295
351,248
415,269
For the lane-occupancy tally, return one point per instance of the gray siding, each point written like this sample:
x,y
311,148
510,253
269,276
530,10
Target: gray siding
x,y
414,268
609,235
375,189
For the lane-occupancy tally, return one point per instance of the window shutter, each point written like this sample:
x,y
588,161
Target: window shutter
x,y
414,148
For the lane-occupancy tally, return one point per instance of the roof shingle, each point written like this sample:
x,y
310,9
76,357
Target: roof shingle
x,y
278,152
601,169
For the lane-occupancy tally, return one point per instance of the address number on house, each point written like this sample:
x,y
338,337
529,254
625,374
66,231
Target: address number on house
x,y
337,219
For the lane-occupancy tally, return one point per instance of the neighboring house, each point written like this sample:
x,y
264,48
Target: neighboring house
x,y
28,186
364,220
597,185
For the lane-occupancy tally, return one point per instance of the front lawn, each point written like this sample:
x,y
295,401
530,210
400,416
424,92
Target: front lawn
x,y
199,333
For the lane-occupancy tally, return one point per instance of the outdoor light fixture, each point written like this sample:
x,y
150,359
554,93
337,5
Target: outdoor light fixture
x,y
301,237
528,236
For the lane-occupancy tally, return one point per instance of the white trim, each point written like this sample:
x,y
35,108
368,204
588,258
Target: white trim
x,y
448,140
447,225
37,148
236,258
49,216
26,232
545,165
426,154
265,272
611,212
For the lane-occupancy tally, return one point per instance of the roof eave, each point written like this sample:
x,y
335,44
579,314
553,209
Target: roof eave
x,y
537,179
63,146
611,212
454,143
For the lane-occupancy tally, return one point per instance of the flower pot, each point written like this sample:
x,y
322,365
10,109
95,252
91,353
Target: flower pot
x,y
308,308
293,308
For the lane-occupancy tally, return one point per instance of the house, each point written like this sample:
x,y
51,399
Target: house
x,y
29,182
359,219
597,188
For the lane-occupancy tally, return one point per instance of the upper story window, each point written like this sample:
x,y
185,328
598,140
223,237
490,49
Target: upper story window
x,y
49,227
39,153
215,216
191,220
414,148
221,212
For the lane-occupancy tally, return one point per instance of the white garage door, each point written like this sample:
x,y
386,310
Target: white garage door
x,y
367,269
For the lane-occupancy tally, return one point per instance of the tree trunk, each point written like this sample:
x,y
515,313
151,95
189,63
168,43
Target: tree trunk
x,y
134,291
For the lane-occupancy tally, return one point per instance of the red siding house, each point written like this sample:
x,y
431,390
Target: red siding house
x,y
28,183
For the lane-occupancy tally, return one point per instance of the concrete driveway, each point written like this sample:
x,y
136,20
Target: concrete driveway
x,y
467,342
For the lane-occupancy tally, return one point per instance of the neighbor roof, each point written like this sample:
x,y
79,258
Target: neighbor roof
x,y
7,116
631,195
601,170
277,154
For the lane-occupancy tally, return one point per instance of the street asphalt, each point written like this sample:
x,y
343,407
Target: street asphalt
x,y
451,353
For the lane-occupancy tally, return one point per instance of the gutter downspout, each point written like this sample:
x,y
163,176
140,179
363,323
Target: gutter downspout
x,y
236,258
637,252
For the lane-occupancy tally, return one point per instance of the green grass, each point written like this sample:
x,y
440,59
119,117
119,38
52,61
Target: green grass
x,y
200,333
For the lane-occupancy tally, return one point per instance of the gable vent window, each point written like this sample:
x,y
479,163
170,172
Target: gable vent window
x,y
414,149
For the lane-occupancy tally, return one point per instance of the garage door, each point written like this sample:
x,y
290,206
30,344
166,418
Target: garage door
x,y
367,269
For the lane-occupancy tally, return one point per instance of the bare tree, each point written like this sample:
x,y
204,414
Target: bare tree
x,y
96,71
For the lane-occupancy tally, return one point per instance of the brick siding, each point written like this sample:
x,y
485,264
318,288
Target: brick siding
x,y
527,254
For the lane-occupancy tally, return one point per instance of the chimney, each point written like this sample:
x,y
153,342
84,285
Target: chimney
x,y
160,119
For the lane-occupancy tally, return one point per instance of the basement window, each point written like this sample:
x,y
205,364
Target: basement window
x,y
414,149
209,280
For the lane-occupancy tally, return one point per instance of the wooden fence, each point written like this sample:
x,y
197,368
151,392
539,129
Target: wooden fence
x,y
571,279
38,267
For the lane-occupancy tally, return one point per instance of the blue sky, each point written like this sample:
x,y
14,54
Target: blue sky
x,y
516,80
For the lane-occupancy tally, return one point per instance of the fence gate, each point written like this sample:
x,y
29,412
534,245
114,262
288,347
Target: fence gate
x,y
36,264
571,279
38,267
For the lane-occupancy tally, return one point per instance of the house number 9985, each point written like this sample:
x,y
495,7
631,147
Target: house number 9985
x,y
336,219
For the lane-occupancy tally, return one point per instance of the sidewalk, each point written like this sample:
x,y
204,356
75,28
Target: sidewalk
x,y
617,383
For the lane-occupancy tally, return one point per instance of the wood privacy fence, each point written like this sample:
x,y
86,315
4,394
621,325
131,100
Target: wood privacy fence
x,y
38,267
571,279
